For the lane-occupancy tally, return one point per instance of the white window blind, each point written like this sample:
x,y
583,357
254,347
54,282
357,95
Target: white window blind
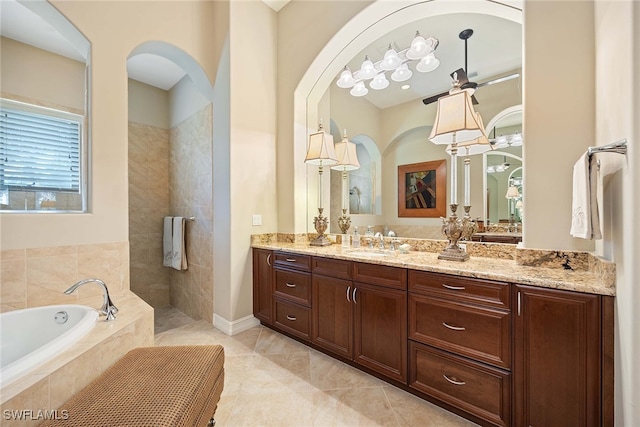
x,y
39,148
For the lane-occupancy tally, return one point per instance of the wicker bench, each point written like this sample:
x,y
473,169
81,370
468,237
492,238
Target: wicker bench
x,y
151,386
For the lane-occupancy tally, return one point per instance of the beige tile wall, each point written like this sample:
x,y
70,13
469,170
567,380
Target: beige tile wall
x,y
148,204
191,194
38,276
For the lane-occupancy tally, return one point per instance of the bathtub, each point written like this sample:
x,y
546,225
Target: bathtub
x,y
32,336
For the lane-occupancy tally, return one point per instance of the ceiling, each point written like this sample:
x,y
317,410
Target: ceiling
x,y
495,48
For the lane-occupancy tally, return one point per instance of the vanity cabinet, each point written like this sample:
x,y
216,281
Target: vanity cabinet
x,y
557,362
292,294
460,343
263,285
363,319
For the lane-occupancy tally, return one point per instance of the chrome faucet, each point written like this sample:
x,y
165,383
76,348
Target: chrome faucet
x,y
380,238
108,308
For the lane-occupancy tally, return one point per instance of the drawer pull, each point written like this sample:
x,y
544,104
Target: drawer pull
x,y
292,318
290,259
269,260
453,288
453,380
290,285
354,295
348,290
455,328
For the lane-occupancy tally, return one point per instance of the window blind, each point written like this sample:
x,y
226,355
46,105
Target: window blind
x,y
39,151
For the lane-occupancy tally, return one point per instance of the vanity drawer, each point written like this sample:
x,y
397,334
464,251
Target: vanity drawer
x,y
475,388
382,275
293,285
286,259
477,291
337,268
480,333
292,318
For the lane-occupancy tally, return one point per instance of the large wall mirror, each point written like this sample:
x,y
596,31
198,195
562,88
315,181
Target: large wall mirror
x,y
44,113
390,125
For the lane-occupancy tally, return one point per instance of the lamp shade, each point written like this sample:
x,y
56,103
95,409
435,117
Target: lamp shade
x,y
475,146
321,150
512,192
347,156
456,121
519,204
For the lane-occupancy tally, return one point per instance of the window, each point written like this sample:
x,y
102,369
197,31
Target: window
x,y
40,148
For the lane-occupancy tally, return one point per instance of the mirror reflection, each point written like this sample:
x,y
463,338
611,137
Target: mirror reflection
x,y
43,149
391,125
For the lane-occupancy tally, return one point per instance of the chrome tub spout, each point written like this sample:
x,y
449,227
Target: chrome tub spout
x,y
108,308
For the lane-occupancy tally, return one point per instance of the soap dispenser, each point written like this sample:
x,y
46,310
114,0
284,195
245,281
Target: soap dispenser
x,y
356,238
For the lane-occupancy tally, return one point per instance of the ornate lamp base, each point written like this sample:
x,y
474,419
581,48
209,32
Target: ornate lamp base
x,y
321,223
344,222
453,227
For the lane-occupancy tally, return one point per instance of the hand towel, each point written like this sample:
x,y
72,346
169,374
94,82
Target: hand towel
x,y
167,241
179,255
585,220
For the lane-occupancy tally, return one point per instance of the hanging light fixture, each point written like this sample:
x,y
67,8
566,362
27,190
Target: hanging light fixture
x,y
397,62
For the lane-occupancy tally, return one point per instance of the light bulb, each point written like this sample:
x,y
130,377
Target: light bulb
x,y
391,60
419,48
428,63
359,89
379,82
402,73
346,79
367,70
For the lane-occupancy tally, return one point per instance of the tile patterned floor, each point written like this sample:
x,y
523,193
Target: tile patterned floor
x,y
272,380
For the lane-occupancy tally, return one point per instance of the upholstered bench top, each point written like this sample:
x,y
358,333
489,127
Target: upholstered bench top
x,y
151,386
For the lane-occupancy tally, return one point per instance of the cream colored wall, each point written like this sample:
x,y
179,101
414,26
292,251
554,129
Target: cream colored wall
x,y
617,43
114,30
148,105
36,74
559,112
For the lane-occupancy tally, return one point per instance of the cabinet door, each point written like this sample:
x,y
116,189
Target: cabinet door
x,y
332,315
263,285
380,334
557,358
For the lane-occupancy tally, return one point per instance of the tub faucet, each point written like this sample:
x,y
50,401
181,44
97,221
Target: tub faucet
x,y
108,308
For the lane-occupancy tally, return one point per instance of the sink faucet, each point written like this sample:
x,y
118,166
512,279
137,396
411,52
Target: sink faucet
x,y
108,308
380,238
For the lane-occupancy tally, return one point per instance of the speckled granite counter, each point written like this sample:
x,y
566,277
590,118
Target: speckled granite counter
x,y
528,267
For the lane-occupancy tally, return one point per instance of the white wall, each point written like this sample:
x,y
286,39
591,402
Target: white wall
x,y
617,43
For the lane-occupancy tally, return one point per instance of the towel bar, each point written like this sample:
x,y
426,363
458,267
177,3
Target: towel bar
x,y
619,147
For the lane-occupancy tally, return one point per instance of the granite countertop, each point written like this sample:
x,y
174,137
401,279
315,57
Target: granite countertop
x,y
506,270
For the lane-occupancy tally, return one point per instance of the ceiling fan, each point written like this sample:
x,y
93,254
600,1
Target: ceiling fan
x,y
461,75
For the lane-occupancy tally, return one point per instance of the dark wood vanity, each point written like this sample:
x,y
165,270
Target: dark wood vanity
x,y
497,353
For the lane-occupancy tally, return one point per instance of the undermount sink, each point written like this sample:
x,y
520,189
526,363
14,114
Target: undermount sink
x,y
368,253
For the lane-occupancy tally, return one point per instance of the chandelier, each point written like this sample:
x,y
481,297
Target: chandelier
x,y
512,140
499,168
421,49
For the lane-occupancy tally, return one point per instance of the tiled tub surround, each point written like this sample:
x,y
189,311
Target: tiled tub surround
x,y
39,276
493,261
50,385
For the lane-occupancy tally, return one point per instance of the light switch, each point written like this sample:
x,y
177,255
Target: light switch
x,y
257,219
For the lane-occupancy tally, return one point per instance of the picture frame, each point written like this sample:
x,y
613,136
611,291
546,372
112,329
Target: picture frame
x,y
422,189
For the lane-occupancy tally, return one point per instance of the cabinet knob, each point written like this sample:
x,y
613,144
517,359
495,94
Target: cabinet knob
x,y
453,380
292,318
455,328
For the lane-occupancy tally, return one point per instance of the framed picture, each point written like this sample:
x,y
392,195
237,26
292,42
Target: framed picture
x,y
422,189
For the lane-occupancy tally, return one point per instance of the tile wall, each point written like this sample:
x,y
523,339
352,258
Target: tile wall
x,y
191,195
148,204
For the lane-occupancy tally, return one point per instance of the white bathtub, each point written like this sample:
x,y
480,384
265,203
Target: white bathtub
x,y
32,336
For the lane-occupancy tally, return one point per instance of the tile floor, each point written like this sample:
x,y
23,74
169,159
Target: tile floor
x,y
272,380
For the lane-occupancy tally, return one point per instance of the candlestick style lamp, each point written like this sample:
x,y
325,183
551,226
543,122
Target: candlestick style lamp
x,y
347,161
456,123
320,153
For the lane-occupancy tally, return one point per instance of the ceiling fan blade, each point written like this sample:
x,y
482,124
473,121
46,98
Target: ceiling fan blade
x,y
500,79
434,98
462,76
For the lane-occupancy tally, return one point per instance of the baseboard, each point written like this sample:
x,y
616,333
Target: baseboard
x,y
236,326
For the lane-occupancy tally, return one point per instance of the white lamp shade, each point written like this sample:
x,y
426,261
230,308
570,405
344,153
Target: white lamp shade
x,y
502,142
512,192
456,121
402,73
347,156
519,204
476,146
428,63
379,82
419,48
346,79
367,69
391,60
321,150
359,89
516,140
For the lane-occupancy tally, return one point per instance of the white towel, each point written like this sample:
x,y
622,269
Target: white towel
x,y
178,254
585,220
167,241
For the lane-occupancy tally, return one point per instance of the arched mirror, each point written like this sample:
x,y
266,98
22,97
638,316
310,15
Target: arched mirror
x,y
503,177
396,123
44,110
